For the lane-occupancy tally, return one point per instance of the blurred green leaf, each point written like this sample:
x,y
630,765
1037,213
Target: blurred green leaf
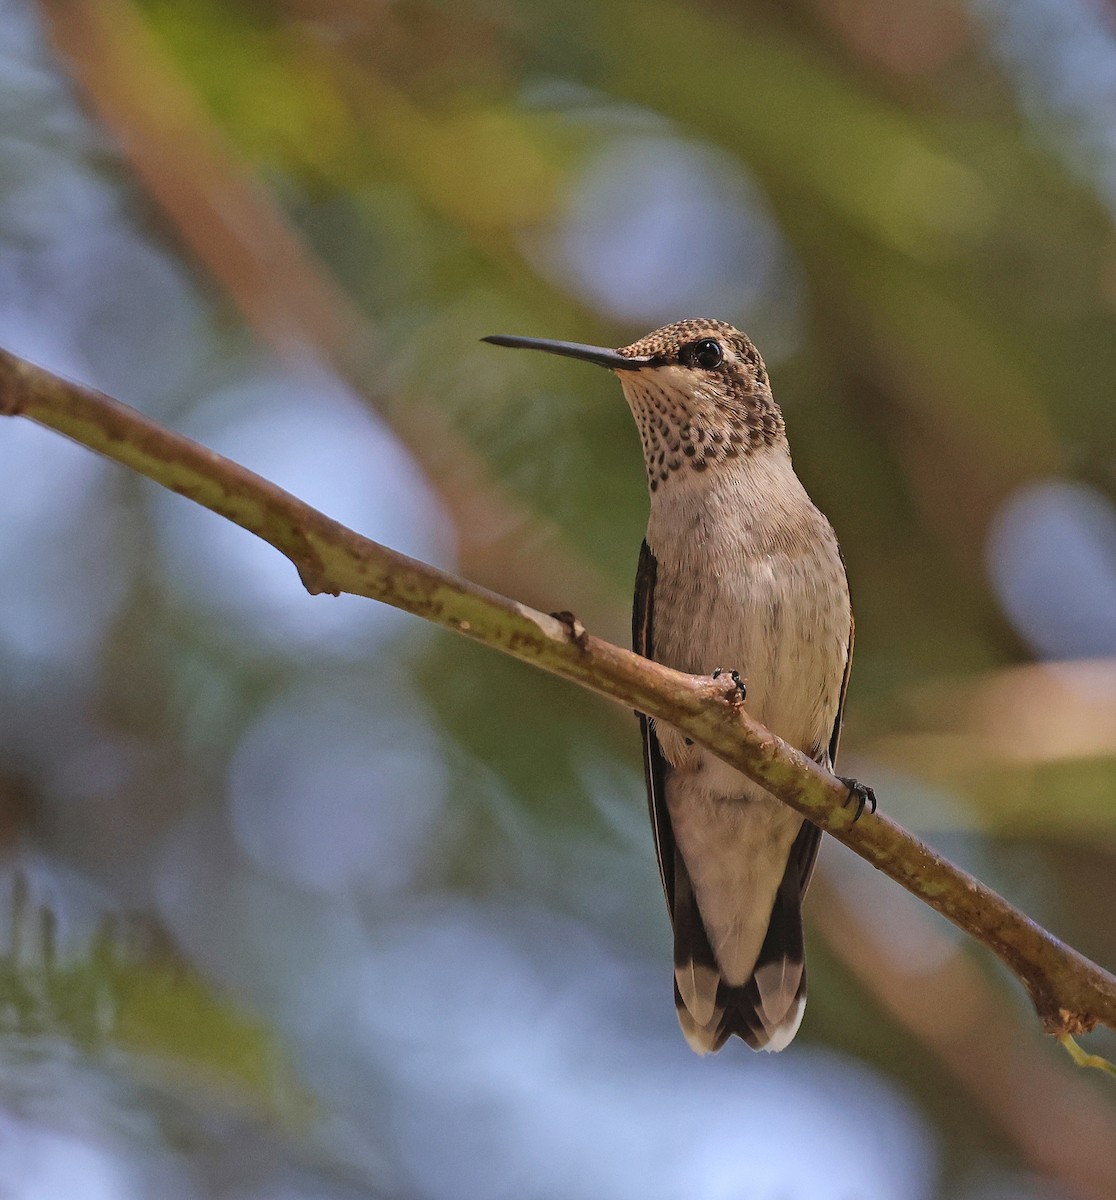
x,y
112,996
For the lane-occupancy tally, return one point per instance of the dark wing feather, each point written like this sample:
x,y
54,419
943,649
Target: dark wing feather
x,y
654,765
805,849
783,944
691,943
783,948
804,853
835,740
738,1010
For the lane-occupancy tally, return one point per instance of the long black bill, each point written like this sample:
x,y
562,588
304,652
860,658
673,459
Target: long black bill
x,y
593,354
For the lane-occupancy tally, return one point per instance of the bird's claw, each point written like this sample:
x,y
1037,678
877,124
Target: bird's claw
x,y
738,684
862,794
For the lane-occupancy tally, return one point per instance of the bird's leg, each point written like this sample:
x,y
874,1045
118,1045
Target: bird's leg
x,y
861,793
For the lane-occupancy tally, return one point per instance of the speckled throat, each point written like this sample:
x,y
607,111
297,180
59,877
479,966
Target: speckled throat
x,y
698,390
693,418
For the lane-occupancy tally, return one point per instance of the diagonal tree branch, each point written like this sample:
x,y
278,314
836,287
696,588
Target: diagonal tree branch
x,y
1070,993
191,171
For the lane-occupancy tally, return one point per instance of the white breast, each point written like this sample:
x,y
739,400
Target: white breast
x,y
750,578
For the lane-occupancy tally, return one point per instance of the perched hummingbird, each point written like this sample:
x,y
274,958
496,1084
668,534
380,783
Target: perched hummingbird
x,y
738,571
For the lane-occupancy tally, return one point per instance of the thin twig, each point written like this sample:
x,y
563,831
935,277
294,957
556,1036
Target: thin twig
x,y
1070,993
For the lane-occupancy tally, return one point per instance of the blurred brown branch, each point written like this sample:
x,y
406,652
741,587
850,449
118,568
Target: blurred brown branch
x,y
1070,993
239,235
938,994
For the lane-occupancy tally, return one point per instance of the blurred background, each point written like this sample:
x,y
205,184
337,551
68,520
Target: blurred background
x,y
303,899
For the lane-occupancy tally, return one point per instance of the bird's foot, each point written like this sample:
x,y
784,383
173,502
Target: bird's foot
x,y
579,635
738,691
860,794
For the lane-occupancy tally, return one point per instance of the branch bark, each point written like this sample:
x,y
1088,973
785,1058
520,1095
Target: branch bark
x,y
1070,993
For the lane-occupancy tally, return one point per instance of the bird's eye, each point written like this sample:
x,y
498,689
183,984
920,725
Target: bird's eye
x,y
707,353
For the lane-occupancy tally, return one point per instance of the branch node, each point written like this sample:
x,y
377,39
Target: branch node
x,y
725,686
579,635
314,578
736,690
1057,1020
13,390
1067,1022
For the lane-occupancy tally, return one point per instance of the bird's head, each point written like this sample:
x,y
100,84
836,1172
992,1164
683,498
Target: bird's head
x,y
698,390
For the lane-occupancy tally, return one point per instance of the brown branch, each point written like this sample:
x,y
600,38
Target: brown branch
x,y
1070,993
940,996
237,233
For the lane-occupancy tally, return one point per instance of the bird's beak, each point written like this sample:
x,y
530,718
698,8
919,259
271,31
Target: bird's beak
x,y
593,354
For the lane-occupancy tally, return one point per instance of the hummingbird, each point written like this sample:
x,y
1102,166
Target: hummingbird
x,y
740,576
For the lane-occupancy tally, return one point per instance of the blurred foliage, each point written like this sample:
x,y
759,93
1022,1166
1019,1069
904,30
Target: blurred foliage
x,y
902,200
112,995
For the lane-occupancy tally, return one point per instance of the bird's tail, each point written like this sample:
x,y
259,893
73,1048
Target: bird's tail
x,y
766,1010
